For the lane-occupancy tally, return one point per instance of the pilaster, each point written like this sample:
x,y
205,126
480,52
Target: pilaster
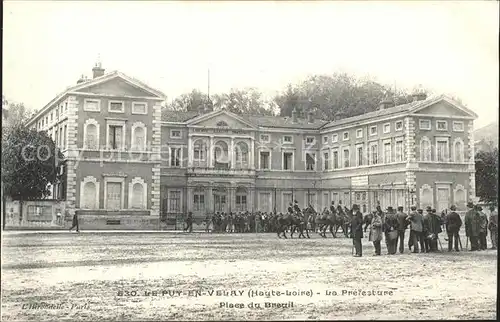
x,y
232,154
155,191
410,140
471,166
72,154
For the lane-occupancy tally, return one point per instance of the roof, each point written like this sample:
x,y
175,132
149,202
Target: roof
x,y
177,116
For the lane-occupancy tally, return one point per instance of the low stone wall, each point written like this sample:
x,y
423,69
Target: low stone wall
x,y
117,220
35,214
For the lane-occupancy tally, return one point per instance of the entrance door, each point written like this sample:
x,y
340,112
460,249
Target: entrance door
x,y
219,202
443,195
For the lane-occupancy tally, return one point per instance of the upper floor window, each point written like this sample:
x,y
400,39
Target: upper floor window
x,y
399,151
116,107
335,138
325,140
287,139
115,139
310,161
91,134
398,126
310,140
335,157
139,108
175,157
425,150
326,161
441,125
139,138
91,105
442,150
458,126
359,133
458,148
346,158
176,134
287,160
424,124
373,130
265,138
373,155
264,160
359,155
387,152
387,128
345,136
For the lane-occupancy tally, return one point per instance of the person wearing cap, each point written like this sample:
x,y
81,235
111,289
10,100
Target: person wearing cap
x,y
472,225
375,235
483,228
402,225
391,231
453,224
493,227
416,229
189,222
357,230
432,228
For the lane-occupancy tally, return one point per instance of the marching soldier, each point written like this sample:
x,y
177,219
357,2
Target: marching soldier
x,y
472,226
357,230
493,227
402,225
453,224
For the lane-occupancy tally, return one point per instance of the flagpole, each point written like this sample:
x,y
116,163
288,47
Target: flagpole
x,y
209,83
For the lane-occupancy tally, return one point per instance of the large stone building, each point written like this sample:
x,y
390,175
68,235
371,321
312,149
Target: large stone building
x,y
131,164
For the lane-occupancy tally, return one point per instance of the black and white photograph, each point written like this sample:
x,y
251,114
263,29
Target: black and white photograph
x,y
249,160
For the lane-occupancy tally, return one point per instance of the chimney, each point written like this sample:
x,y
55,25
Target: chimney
x,y
294,116
97,71
310,117
386,103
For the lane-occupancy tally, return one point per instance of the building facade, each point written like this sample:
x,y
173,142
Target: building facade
x,y
131,164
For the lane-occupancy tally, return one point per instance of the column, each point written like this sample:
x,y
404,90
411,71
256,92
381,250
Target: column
x,y
252,154
210,153
210,199
189,201
231,154
190,151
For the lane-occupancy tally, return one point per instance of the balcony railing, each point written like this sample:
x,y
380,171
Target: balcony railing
x,y
220,170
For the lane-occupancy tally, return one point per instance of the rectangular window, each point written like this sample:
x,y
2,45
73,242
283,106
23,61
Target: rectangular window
x,y
387,128
114,195
424,124
175,157
346,158
287,139
360,155
310,162
57,113
387,152
345,136
399,151
310,140
139,108
441,125
442,150
90,105
359,133
241,203
325,140
373,130
265,138
64,136
398,126
51,116
326,161
264,160
174,201
115,139
374,153
176,134
116,107
335,159
199,153
335,138
287,160
57,138
199,201
458,126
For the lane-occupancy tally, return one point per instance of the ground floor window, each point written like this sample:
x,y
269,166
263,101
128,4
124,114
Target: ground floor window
x,y
241,203
114,195
198,201
174,201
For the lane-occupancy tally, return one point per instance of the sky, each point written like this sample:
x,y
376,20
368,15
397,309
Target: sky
x,y
448,47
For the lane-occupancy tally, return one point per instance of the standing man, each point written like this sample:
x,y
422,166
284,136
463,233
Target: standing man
x,y
453,224
402,225
483,228
375,235
432,226
391,231
189,222
75,223
493,227
417,226
472,226
357,230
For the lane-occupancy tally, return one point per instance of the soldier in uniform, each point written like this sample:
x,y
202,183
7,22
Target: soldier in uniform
x,y
402,225
453,224
483,228
472,226
296,207
290,208
357,230
493,227
332,207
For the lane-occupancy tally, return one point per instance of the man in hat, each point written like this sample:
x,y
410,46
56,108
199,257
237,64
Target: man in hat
x,y
357,230
402,225
417,226
453,224
375,235
391,231
483,228
296,206
472,226
432,228
189,222
290,208
332,207
75,223
493,227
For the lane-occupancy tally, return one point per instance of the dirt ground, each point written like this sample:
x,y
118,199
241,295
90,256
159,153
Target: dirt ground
x,y
48,276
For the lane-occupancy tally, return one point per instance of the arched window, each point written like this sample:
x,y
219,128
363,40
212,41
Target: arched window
x,y
137,196
426,197
241,154
138,136
425,149
458,147
91,134
221,155
89,193
460,197
241,199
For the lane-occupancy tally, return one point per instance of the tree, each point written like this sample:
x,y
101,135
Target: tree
x,y
17,115
188,101
242,101
487,175
29,163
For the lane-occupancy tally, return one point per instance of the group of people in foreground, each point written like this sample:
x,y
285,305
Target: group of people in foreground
x,y
424,229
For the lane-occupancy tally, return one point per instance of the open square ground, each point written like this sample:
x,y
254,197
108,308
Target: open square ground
x,y
91,276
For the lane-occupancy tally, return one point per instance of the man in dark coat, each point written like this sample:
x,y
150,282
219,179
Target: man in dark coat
x,y
290,208
453,224
402,225
493,227
332,207
472,226
357,230
391,228
189,222
75,223
296,207
432,228
483,228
